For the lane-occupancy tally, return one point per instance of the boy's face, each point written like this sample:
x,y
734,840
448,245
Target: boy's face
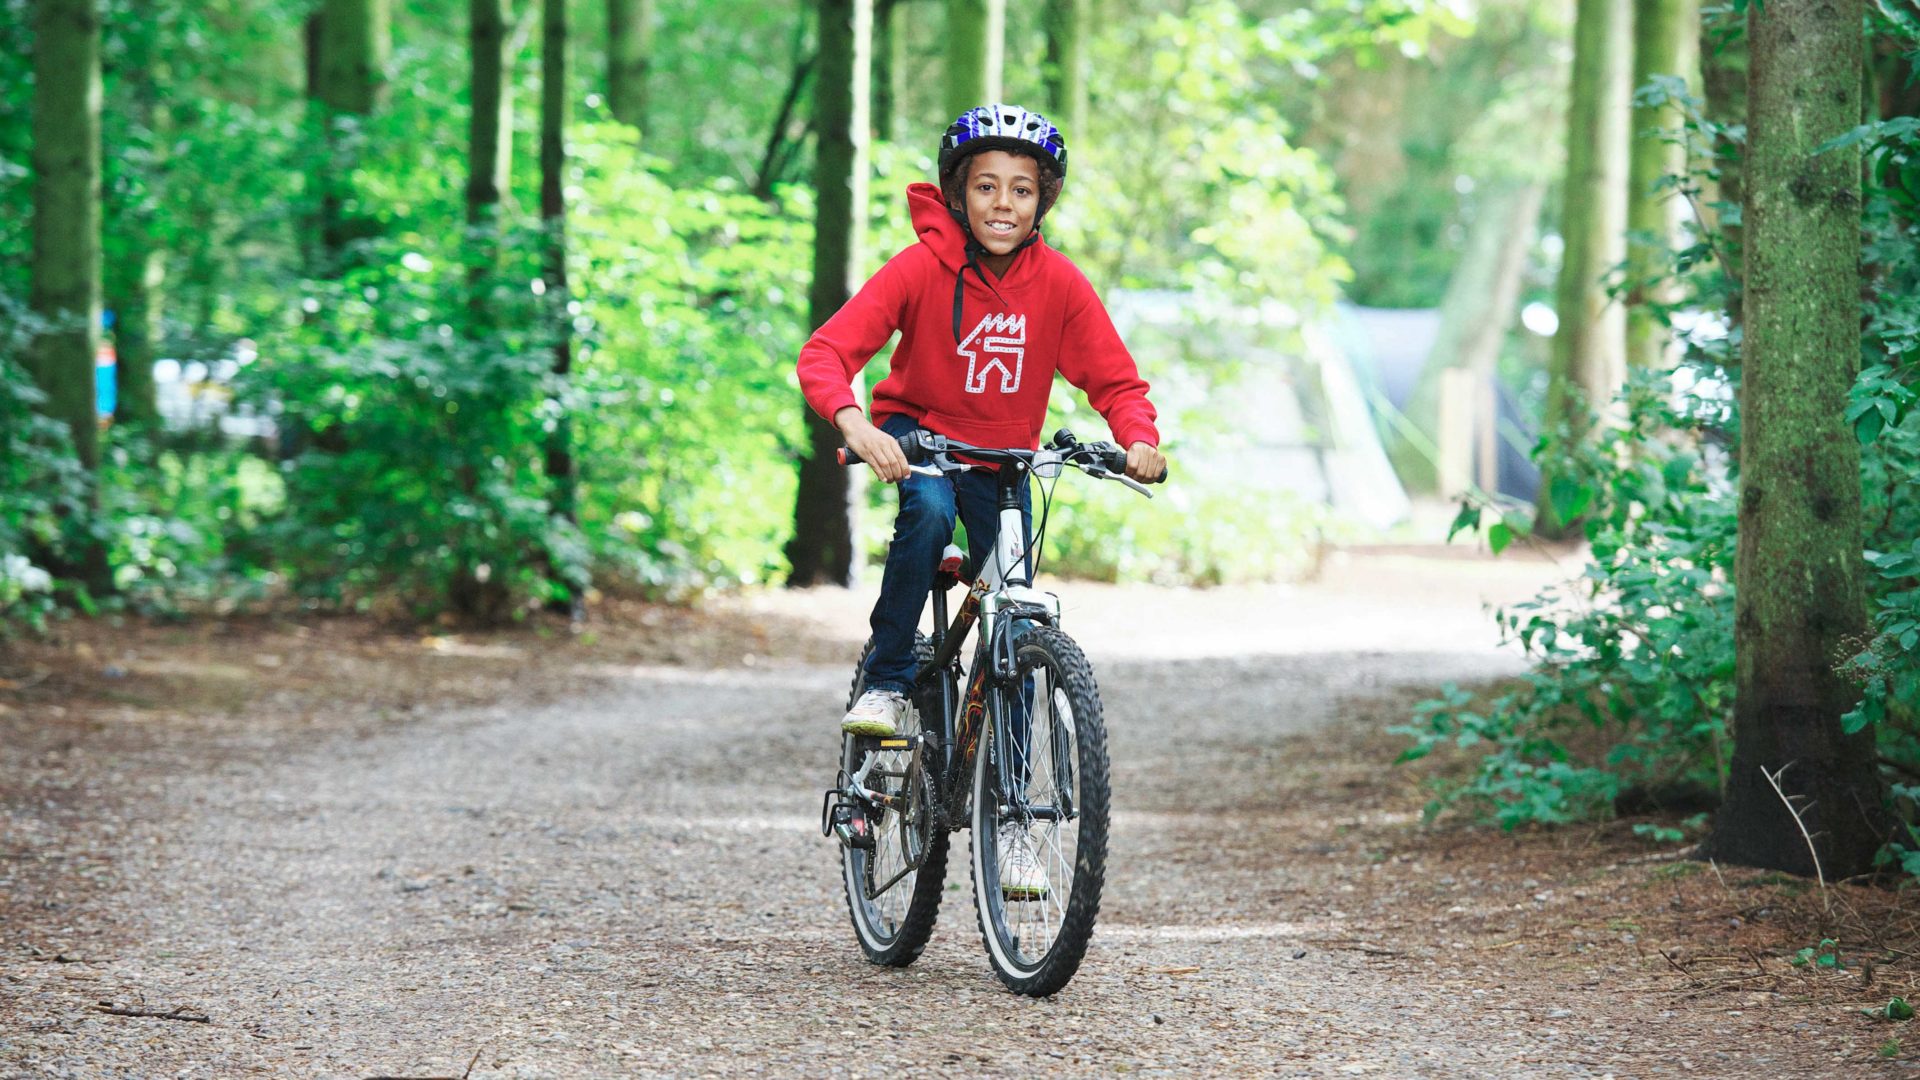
x,y
1002,196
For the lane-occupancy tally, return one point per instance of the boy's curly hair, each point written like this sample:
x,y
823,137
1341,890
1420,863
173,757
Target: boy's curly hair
x,y
953,185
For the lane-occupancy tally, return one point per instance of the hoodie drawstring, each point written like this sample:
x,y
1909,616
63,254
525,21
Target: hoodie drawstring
x,y
974,251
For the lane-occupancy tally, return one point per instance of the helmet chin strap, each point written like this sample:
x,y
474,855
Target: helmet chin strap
x,y
974,251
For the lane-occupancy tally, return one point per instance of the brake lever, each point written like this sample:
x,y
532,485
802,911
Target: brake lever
x,y
1101,472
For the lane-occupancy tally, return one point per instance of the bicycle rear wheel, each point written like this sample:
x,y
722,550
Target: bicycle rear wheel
x,y
893,926
1040,780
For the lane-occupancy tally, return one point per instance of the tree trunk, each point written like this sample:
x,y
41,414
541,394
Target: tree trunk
x,y
1475,315
356,41
490,123
1588,360
1798,573
821,551
66,215
349,47
629,54
135,262
889,67
1664,41
1723,82
482,598
1066,68
553,219
976,32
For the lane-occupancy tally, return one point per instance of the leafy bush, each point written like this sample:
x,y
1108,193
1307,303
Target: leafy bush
x,y
414,443
1632,673
43,490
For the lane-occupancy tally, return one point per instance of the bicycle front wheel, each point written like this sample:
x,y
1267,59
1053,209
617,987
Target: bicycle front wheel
x,y
1040,794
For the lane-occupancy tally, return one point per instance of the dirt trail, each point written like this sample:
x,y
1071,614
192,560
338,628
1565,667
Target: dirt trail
x,y
625,877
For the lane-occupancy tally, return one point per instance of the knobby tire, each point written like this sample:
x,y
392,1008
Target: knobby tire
x,y
1073,683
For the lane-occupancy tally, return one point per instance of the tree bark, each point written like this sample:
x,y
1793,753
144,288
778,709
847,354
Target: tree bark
x,y
66,215
490,123
553,219
1723,82
976,32
135,266
889,67
356,41
1066,68
1798,569
629,55
822,551
1588,359
1475,314
349,44
1664,41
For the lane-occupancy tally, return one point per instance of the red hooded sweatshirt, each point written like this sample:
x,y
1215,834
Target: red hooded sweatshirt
x,y
989,388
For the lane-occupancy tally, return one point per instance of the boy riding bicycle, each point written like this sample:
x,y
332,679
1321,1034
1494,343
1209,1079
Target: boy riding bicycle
x,y
1023,313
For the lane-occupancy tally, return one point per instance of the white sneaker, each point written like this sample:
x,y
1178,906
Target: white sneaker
x,y
1021,876
878,712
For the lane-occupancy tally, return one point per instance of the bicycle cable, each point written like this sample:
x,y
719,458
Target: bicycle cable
x,y
1046,511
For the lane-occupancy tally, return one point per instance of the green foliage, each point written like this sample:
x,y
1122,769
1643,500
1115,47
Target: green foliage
x,y
43,491
1896,1009
414,443
1107,533
1824,955
1203,162
696,298
184,524
1632,663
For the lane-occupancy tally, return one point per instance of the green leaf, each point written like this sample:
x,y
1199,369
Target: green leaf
x,y
1868,426
1499,536
1467,518
1569,498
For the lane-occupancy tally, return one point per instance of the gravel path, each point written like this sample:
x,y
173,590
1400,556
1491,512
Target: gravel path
x,y
631,881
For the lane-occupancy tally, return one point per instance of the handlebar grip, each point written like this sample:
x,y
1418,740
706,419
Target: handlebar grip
x,y
846,456
1115,461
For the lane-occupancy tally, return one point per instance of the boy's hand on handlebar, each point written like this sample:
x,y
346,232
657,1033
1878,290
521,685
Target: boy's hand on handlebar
x,y
875,447
1145,463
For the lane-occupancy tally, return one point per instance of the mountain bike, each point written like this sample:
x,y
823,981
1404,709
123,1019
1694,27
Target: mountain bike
x,y
1013,747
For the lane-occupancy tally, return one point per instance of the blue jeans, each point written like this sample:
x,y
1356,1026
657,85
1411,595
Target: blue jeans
x,y
924,527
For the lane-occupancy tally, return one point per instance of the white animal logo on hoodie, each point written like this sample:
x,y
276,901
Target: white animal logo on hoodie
x,y
1002,340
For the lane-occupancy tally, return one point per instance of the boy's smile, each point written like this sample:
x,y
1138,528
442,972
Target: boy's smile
x,y
1003,194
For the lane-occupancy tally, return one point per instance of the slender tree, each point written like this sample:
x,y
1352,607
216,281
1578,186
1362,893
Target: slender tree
x,y
1475,314
1588,362
1798,573
553,219
976,31
489,124
1723,85
629,54
66,214
349,44
135,261
889,66
821,551
1664,41
1066,68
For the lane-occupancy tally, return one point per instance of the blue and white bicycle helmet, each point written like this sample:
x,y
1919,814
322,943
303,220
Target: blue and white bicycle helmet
x,y
1002,127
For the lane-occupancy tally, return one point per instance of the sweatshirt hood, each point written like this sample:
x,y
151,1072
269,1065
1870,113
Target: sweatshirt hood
x,y
939,229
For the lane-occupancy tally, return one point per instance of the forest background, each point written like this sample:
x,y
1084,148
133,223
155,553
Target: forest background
x,y
499,314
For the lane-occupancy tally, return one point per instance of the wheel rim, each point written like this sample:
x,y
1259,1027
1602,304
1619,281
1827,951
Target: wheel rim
x,y
1042,771
898,838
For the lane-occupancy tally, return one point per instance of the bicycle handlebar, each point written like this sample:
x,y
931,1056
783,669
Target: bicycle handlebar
x,y
1102,459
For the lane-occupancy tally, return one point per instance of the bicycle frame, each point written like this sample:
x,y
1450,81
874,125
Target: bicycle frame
x,y
1001,595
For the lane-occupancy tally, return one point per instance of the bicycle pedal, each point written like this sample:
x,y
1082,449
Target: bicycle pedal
x,y
874,744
